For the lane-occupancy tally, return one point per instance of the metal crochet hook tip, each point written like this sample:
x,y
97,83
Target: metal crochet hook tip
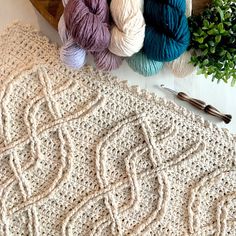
x,y
168,89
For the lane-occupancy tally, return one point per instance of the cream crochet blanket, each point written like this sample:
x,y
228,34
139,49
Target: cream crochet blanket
x,y
84,154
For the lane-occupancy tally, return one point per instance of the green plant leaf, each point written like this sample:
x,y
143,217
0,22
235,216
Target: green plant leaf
x,y
219,65
222,53
206,23
220,27
218,38
221,13
228,23
211,43
231,64
205,52
229,56
233,82
199,72
200,40
202,46
211,26
225,33
196,34
213,50
205,62
213,32
199,31
227,15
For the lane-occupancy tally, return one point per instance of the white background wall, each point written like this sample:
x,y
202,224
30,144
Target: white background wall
x,y
220,95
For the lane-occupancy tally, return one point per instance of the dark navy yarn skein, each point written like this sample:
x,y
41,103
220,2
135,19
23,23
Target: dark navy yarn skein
x,y
167,34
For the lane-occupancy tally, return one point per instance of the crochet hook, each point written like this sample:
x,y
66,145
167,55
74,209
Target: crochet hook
x,y
201,105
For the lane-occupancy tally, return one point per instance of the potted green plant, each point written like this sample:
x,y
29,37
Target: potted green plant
x,y
213,36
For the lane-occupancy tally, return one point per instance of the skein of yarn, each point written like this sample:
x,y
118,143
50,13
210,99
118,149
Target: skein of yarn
x,y
167,33
127,34
70,53
63,33
85,27
87,22
144,66
139,61
107,61
181,67
189,8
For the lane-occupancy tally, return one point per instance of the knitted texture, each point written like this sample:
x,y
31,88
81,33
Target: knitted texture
x,y
84,154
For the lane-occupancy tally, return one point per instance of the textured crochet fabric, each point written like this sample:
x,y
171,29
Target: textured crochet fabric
x,y
84,154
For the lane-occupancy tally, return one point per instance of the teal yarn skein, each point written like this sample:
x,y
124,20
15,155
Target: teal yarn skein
x,y
140,63
167,34
144,66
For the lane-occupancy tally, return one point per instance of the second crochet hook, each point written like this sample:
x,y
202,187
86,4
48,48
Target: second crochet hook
x,y
201,105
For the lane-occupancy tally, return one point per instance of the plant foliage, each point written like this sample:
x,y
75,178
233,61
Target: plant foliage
x,y
213,33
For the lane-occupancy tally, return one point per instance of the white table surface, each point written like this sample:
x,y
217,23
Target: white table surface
x,y
220,95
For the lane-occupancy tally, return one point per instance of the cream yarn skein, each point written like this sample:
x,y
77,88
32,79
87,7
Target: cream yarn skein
x,y
181,67
127,35
189,8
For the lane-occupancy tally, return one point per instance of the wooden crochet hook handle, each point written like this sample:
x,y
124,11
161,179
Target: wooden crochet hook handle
x,y
201,105
214,112
193,101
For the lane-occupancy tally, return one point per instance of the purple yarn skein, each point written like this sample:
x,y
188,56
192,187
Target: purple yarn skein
x,y
85,26
106,60
87,22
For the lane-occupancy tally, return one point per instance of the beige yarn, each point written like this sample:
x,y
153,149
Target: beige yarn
x,y
189,6
84,154
127,35
182,67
